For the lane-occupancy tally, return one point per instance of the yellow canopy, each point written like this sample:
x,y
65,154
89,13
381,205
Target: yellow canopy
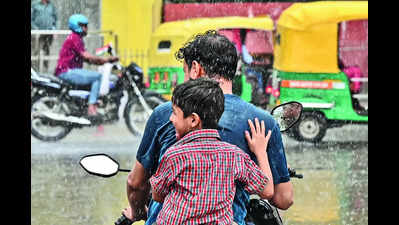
x,y
179,32
301,16
307,35
198,25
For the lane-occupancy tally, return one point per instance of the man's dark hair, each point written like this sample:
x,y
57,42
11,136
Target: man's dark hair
x,y
202,96
214,52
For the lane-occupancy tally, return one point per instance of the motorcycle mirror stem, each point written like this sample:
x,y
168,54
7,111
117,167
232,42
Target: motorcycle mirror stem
x,y
101,165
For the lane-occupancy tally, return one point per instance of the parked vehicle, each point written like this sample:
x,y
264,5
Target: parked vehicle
x,y
165,72
58,106
306,67
260,212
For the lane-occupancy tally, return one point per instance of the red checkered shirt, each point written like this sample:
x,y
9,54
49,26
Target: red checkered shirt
x,y
197,177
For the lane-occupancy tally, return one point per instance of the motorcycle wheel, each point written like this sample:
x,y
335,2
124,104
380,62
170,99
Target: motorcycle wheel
x,y
42,128
135,115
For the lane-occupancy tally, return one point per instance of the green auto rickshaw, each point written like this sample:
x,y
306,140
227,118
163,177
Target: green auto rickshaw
x,y
165,72
306,67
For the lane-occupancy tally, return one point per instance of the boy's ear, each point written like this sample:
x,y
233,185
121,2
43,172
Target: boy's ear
x,y
196,121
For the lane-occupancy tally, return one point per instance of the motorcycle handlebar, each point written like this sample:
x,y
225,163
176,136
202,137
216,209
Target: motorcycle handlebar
x,y
293,174
123,220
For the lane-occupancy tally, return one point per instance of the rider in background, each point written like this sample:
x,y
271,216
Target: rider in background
x,y
72,55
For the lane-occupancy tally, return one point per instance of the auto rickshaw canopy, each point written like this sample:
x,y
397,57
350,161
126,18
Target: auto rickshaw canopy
x,y
171,36
307,35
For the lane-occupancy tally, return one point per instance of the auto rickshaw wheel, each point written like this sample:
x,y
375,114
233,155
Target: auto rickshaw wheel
x,y
311,127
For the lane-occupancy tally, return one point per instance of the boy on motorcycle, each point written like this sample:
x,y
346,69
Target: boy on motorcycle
x,y
207,55
73,53
197,170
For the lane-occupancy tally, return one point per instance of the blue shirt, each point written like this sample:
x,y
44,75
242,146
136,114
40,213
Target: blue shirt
x,y
160,134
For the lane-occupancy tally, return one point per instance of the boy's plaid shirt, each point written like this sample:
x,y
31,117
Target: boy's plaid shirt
x,y
197,179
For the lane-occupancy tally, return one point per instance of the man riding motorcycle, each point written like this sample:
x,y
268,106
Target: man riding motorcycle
x,y
214,56
73,53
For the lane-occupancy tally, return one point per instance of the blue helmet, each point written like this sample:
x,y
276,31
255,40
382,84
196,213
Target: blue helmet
x,y
74,22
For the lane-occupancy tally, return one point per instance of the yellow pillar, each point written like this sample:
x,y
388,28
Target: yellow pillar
x,y
132,22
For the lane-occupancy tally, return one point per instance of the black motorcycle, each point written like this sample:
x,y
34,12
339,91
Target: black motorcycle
x,y
58,106
260,211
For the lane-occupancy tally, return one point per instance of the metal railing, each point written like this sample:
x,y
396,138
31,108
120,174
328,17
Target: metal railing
x,y
139,56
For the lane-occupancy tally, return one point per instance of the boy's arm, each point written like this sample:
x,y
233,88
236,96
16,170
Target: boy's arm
x,y
257,144
162,180
263,162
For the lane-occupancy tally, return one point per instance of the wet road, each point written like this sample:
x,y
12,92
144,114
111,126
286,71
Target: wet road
x,y
334,189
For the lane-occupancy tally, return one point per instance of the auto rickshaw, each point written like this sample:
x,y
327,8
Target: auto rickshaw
x,y
165,72
306,56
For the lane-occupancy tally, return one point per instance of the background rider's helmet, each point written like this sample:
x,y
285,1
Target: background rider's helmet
x,y
75,21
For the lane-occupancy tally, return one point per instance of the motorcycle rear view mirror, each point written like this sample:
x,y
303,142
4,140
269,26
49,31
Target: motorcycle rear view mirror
x,y
100,165
287,114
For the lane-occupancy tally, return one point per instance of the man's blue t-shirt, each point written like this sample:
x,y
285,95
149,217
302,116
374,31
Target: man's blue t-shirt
x,y
160,134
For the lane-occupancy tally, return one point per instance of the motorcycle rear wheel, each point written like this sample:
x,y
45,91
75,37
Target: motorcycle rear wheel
x,y
41,128
135,115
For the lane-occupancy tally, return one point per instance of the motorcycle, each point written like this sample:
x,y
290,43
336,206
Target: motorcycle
x,y
58,106
260,211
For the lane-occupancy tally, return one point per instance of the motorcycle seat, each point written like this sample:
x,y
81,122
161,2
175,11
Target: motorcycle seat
x,y
67,83
48,78
86,87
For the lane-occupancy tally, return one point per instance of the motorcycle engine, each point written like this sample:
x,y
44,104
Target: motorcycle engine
x,y
136,73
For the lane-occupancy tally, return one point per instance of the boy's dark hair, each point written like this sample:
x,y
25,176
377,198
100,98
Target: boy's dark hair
x,y
214,52
202,96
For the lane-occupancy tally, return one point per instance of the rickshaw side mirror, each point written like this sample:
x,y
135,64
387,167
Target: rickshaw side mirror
x,y
287,114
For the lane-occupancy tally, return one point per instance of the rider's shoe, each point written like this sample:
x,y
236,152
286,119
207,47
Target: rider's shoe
x,y
92,110
93,116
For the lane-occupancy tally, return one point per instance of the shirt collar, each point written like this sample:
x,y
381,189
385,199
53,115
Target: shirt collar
x,y
199,134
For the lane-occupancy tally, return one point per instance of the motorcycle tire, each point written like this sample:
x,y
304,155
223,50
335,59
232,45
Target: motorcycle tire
x,y
135,116
40,126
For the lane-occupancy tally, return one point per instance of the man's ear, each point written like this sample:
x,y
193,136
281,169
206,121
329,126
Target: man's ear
x,y
197,70
196,121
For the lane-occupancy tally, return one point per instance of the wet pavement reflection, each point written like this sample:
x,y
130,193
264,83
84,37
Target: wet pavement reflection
x,y
334,189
